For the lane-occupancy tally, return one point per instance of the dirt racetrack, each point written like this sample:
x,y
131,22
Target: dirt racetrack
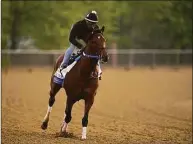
x,y
131,107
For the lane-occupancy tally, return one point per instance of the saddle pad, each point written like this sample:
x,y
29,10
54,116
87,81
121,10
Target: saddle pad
x,y
60,75
58,80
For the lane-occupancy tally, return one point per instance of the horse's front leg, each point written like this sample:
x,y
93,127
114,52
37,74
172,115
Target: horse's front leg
x,y
54,89
88,104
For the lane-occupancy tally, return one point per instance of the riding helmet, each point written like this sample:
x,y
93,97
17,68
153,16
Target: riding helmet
x,y
92,17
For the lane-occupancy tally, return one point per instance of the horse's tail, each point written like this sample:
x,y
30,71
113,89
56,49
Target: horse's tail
x,y
56,65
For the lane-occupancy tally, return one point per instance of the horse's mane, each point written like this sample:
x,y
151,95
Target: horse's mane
x,y
96,31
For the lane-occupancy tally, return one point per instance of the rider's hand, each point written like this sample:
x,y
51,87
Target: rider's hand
x,y
81,50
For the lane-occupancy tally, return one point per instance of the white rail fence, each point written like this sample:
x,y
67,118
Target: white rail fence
x,y
118,57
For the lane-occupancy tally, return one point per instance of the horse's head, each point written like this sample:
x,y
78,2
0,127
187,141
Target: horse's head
x,y
96,45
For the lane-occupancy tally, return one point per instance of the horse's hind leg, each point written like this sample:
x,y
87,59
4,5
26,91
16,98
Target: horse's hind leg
x,y
54,89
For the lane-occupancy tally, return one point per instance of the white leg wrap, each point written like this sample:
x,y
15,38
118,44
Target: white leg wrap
x,y
64,126
99,68
84,133
48,111
100,71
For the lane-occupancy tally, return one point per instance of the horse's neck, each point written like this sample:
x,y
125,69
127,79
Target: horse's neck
x,y
87,66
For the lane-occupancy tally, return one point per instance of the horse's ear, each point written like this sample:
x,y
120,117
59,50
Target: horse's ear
x,y
103,29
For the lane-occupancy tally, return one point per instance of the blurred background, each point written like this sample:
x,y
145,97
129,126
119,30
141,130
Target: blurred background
x,y
143,33
142,105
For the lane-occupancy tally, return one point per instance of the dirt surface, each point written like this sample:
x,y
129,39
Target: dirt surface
x,y
131,107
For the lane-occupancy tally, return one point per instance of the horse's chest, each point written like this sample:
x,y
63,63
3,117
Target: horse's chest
x,y
82,85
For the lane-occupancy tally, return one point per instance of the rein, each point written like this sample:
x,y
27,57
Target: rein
x,y
91,56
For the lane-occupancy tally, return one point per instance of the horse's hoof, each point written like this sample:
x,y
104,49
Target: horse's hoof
x,y
44,125
83,138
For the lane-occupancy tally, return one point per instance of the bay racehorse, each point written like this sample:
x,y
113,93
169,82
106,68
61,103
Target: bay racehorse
x,y
78,83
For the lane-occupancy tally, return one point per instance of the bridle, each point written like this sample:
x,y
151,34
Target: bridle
x,y
98,57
